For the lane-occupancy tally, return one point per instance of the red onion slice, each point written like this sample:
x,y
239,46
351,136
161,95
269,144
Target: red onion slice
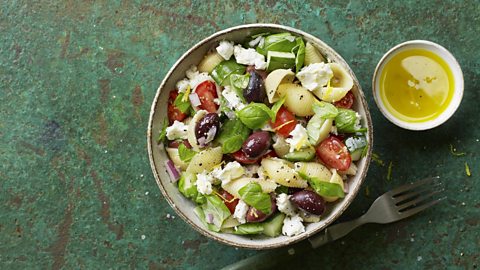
x,y
211,134
345,187
172,171
210,218
202,141
194,100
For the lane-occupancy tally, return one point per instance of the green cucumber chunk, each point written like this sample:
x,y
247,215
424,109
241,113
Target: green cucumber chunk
x,y
273,226
280,60
306,154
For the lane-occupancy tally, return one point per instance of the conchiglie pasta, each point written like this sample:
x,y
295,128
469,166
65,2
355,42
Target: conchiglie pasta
x,y
192,139
314,169
274,79
339,85
336,179
282,172
209,62
234,186
298,100
205,160
173,154
319,129
312,55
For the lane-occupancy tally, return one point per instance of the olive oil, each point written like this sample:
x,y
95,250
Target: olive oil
x,y
416,85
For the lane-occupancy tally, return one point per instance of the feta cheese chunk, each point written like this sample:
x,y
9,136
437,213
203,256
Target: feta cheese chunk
x,y
193,79
257,41
182,85
249,57
299,138
204,183
178,130
240,213
314,76
233,100
231,171
225,49
285,205
292,226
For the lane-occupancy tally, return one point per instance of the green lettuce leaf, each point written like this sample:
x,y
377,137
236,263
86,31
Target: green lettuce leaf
x,y
162,136
277,107
299,51
249,228
346,121
215,207
183,106
253,195
325,110
323,188
186,186
222,72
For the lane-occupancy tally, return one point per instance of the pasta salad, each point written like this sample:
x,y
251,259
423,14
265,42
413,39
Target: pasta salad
x,y
262,136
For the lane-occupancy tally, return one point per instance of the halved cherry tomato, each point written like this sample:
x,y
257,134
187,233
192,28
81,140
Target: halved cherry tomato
x,y
173,112
242,158
285,120
229,200
346,102
207,92
176,143
334,153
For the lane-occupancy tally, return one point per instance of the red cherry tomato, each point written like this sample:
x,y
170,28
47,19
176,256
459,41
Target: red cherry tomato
x,y
334,153
285,120
346,102
207,92
270,154
242,158
173,112
229,200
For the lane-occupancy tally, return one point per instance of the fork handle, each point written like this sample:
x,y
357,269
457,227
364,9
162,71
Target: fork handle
x,y
335,232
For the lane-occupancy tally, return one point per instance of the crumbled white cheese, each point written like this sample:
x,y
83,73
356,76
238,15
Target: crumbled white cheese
x,y
241,212
231,171
256,41
199,78
225,49
267,127
357,125
178,130
251,170
334,130
354,143
285,205
182,85
233,100
292,226
261,173
314,76
191,72
249,57
299,138
204,183
216,101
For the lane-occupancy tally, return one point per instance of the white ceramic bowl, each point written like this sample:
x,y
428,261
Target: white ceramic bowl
x,y
184,207
451,62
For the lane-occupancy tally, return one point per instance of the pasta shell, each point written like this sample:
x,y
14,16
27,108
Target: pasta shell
x,y
274,79
192,139
234,186
313,169
205,160
298,99
282,172
173,154
209,62
352,170
339,86
312,55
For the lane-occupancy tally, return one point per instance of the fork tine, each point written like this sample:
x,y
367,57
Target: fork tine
x,y
420,208
422,197
406,187
413,193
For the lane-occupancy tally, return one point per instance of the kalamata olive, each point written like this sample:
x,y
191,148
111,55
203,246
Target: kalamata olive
x,y
255,91
254,215
256,144
309,201
207,128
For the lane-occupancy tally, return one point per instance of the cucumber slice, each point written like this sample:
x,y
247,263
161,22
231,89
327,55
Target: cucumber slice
x,y
306,154
357,154
280,60
273,227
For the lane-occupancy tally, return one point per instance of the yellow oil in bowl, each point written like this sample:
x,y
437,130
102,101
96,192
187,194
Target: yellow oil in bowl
x,y
416,85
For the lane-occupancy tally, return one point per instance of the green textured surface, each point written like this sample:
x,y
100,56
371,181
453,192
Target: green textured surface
x,y
77,79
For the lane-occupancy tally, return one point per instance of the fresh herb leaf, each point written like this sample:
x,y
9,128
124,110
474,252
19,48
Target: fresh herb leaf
x,y
347,121
254,115
183,106
186,186
222,72
238,83
215,207
232,144
325,110
232,135
281,189
162,136
184,153
299,51
253,195
454,152
281,42
249,228
377,159
365,151
323,188
467,170
389,171
276,107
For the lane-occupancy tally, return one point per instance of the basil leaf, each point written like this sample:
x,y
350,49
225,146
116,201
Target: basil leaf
x,y
222,72
281,189
325,110
254,115
323,188
183,106
253,195
299,51
184,153
162,136
215,207
277,107
249,228
232,135
281,42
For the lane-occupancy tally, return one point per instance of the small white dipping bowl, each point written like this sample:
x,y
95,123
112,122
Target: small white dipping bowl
x,y
452,64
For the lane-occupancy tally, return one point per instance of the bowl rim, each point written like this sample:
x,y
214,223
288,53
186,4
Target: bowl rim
x,y
291,240
446,56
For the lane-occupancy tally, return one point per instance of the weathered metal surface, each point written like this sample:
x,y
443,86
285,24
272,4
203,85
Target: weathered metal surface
x,y
77,79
